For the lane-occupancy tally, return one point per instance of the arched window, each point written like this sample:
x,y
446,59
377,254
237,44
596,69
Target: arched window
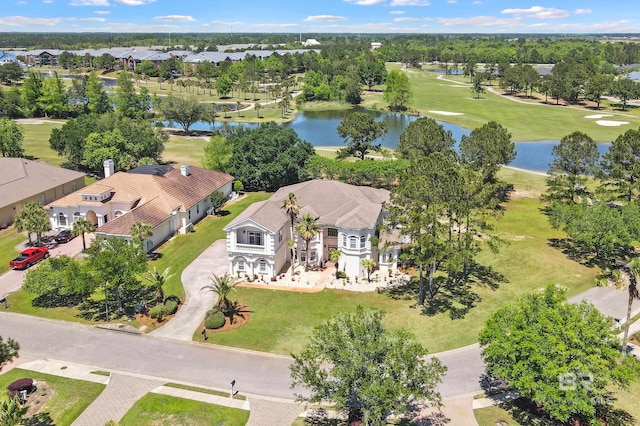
x,y
77,216
117,213
62,220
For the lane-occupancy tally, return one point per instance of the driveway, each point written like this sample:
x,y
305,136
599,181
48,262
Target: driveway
x,y
11,281
609,301
195,276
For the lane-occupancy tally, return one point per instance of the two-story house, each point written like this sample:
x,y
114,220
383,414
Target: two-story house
x,y
348,217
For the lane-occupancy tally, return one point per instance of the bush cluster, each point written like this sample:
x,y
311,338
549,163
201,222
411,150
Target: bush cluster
x,y
21,385
214,319
161,310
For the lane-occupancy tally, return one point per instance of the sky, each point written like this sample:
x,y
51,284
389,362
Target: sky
x,y
322,16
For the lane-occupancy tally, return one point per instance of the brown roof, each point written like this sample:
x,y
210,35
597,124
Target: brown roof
x,y
21,179
333,203
153,197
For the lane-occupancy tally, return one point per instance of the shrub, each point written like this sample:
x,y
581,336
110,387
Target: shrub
x,y
341,274
170,307
21,385
238,186
215,320
157,312
636,336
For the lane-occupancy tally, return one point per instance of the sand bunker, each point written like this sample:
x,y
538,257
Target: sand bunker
x,y
610,123
446,112
598,116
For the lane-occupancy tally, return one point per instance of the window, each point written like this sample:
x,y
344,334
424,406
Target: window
x,y
77,216
303,256
62,220
43,198
255,238
189,214
117,213
240,264
363,241
344,240
313,256
383,257
74,186
332,232
198,208
280,236
353,241
262,265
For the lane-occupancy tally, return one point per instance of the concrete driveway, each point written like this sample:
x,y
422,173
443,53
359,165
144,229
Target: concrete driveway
x,y
11,281
609,301
195,276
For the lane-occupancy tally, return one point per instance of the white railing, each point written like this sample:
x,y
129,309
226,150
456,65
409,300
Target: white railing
x,y
251,248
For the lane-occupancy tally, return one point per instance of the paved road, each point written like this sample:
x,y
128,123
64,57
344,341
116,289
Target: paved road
x,y
255,373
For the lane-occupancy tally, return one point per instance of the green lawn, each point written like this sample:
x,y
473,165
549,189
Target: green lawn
x,y
9,240
36,142
282,321
526,121
162,410
70,397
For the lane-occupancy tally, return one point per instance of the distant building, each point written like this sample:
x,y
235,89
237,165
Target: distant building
x,y
6,57
23,181
375,45
310,42
170,200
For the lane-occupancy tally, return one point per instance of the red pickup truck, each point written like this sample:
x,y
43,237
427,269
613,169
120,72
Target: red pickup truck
x,y
28,257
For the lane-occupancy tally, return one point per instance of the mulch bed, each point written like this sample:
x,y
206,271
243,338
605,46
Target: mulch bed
x,y
240,318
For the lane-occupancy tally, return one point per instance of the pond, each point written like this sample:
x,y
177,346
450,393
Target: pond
x,y
319,128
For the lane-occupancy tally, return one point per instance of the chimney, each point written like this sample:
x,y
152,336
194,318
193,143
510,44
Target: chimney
x,y
184,170
109,168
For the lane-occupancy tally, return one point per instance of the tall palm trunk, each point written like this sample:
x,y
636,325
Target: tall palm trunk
x,y
626,323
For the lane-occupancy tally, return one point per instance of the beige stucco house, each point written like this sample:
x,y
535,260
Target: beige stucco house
x,y
170,200
23,181
348,216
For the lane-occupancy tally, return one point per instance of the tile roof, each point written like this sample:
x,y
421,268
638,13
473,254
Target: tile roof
x,y
151,197
21,179
333,203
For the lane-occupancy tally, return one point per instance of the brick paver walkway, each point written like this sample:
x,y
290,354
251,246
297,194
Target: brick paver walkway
x,y
271,413
118,397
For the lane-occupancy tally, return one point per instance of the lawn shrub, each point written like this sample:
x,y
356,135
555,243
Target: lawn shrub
x,y
214,320
157,312
169,307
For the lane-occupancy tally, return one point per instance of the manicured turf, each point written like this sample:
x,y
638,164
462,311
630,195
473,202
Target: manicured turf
x,y
161,410
9,241
282,321
203,390
70,397
36,142
526,122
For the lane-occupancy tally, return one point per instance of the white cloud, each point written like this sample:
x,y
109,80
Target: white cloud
x,y
223,24
47,1
93,19
477,2
365,2
397,12
582,11
406,19
452,1
538,12
174,18
134,2
402,3
324,18
89,3
479,21
24,21
22,2
101,12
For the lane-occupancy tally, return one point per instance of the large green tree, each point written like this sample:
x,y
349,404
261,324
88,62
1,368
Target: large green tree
x,y
268,157
488,148
33,219
360,131
561,356
217,153
8,351
397,91
59,281
183,110
575,158
620,167
365,369
423,137
97,98
11,138
31,94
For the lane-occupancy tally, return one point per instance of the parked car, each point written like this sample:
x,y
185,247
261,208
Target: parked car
x,y
28,257
64,236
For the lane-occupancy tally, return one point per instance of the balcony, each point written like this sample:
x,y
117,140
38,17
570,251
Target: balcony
x,y
250,248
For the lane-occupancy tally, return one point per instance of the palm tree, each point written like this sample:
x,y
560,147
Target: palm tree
x,y
158,280
32,218
307,228
225,108
81,227
292,209
141,231
334,257
634,273
222,286
368,264
258,106
11,410
238,107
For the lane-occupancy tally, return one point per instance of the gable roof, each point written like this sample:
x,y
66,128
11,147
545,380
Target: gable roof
x,y
152,196
333,203
21,179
